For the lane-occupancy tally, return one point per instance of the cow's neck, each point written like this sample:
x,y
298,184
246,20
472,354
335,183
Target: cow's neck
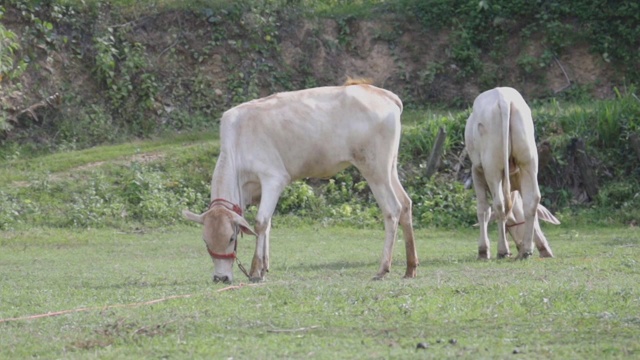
x,y
224,183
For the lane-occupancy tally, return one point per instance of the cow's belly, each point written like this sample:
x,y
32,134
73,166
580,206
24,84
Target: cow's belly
x,y
316,168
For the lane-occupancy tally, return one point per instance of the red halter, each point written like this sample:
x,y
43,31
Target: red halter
x,y
226,203
238,210
224,256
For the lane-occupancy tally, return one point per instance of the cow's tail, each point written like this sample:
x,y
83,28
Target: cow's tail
x,y
505,113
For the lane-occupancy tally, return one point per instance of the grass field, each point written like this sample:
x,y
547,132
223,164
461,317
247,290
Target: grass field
x,y
114,286
319,300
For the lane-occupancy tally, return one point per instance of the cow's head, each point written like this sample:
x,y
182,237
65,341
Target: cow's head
x,y
221,229
515,220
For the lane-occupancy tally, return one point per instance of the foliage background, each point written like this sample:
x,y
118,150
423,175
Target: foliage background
x,y
127,70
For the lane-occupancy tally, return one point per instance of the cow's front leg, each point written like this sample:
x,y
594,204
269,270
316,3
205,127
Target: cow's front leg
x,y
260,263
256,274
530,200
271,191
501,217
265,262
527,245
503,243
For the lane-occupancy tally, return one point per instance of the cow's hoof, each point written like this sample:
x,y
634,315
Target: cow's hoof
x,y
379,277
410,275
502,256
483,255
256,279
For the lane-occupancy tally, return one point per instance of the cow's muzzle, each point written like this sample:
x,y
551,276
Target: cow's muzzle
x,y
223,279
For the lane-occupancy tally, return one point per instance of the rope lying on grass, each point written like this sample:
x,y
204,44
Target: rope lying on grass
x,y
150,302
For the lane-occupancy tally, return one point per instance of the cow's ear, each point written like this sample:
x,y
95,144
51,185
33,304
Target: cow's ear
x,y
193,217
546,215
244,225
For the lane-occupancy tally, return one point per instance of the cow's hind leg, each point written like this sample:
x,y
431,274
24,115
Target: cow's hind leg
x,y
407,226
391,212
483,213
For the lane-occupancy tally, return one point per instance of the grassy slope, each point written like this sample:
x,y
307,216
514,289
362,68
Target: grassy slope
x,y
319,301
24,167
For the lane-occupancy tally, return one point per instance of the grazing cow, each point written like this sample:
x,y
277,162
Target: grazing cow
x,y
270,142
499,138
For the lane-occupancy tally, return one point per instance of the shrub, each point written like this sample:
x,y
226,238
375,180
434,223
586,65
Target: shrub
x,y
9,210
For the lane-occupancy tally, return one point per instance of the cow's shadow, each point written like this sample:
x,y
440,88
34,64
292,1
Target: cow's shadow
x,y
335,265
134,283
346,264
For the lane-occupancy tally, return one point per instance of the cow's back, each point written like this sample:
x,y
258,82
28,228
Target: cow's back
x,y
311,133
483,131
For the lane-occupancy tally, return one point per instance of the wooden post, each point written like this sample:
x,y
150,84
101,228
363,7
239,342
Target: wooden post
x,y
436,153
589,179
545,155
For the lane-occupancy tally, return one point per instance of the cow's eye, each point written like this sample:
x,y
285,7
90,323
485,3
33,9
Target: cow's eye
x,y
235,234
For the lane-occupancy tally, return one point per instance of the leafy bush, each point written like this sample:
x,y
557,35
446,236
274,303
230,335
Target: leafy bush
x,y
622,194
150,195
9,70
482,27
9,210
445,204
95,206
299,197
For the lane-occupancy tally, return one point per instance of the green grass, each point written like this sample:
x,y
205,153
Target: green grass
x,y
25,166
319,300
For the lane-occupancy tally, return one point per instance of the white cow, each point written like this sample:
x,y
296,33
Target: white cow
x,y
270,142
500,141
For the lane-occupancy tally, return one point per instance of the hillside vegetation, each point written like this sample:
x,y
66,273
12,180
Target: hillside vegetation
x,y
84,75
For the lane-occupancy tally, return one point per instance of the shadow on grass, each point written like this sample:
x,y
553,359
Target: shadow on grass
x,y
141,284
336,265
